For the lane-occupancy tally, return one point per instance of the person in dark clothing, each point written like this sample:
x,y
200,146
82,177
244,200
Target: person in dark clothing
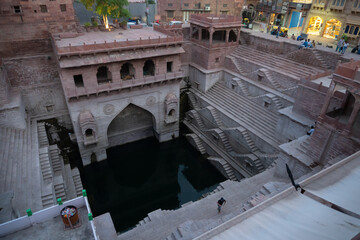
x,y
221,202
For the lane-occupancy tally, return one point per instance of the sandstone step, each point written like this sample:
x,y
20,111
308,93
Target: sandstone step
x,y
270,58
257,116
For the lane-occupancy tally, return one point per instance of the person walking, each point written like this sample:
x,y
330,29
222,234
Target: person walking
x,y
340,44
278,31
221,202
346,44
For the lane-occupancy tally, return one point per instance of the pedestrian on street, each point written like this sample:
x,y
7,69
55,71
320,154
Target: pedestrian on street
x,y
221,202
278,31
346,44
340,45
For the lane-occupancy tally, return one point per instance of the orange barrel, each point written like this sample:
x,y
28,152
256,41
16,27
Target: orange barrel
x,y
69,214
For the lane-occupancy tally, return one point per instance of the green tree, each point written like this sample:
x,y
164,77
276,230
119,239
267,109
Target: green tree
x,y
105,8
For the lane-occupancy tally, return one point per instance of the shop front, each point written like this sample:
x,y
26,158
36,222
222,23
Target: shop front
x,y
315,25
332,29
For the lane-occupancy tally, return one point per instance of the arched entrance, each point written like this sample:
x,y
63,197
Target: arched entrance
x,y
131,124
315,24
332,28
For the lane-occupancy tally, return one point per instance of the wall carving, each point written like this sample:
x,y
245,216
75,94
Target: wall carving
x,y
108,109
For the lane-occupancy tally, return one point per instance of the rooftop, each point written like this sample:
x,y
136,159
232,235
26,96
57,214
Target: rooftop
x,y
118,39
118,35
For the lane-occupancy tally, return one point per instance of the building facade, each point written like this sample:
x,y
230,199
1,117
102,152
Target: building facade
x,y
122,90
181,10
332,19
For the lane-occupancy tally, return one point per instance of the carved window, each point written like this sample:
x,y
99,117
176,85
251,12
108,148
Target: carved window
x,y
43,8
103,75
232,36
127,71
186,4
169,66
356,31
149,68
63,7
351,30
172,113
78,80
170,4
224,5
170,14
89,133
17,9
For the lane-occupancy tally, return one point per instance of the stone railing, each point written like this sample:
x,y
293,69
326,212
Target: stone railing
x,y
47,214
214,44
211,18
348,69
119,85
171,30
115,45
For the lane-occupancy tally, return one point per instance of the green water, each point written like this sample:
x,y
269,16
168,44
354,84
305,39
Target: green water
x,y
141,177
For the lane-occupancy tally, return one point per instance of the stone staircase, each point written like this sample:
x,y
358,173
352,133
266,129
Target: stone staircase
x,y
77,181
237,65
215,115
45,165
19,171
249,141
224,140
244,89
251,116
43,140
194,104
263,194
318,56
271,79
228,170
275,63
275,100
197,118
198,144
56,162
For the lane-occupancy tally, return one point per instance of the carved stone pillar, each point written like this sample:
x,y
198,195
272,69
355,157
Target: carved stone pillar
x,y
353,115
227,36
211,30
199,33
329,94
191,31
238,36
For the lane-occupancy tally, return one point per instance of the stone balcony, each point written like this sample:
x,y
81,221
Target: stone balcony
x,y
116,41
216,21
75,93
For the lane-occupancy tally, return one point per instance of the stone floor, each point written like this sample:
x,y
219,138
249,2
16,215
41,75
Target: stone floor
x,y
54,230
203,214
323,40
117,34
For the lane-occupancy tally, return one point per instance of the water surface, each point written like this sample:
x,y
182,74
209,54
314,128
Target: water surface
x,y
140,177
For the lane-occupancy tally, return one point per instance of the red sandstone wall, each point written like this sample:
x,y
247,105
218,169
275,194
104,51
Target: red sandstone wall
x,y
309,101
31,11
233,7
25,48
32,70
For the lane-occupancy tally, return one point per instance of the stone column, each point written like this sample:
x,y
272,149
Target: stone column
x,y
211,30
353,115
199,34
329,94
191,30
227,36
238,35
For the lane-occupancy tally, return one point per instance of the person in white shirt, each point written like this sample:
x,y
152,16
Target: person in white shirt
x,y
346,44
